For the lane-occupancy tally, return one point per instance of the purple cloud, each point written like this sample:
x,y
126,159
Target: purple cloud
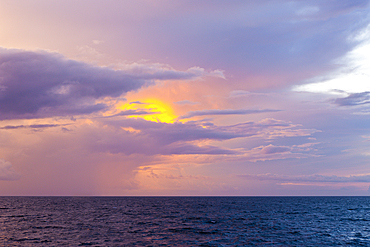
x,y
354,99
130,135
43,84
268,128
194,149
32,126
292,35
308,178
271,149
132,113
225,112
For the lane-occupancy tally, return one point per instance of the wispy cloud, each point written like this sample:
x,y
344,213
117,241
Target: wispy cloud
x,y
131,135
354,99
225,112
308,178
158,71
132,113
186,102
277,152
271,149
32,126
243,93
138,102
268,128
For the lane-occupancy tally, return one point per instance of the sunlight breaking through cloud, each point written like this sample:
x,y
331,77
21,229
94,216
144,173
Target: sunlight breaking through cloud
x,y
354,77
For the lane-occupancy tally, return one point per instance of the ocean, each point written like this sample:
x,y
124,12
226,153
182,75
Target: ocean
x,y
185,221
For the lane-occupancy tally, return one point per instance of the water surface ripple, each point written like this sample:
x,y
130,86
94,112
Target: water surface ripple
x,y
185,221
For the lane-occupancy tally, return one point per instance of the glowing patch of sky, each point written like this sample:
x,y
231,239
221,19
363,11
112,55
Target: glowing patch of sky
x,y
353,78
158,111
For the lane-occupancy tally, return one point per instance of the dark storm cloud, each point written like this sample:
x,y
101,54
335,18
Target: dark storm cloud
x,y
354,99
43,84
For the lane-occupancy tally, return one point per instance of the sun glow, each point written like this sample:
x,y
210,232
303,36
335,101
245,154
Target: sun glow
x,y
150,109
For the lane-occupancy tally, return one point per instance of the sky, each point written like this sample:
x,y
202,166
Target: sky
x,y
184,98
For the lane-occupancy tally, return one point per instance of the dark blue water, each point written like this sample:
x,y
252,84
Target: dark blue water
x,y
185,221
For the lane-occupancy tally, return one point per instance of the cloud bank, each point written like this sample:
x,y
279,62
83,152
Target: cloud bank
x,y
131,135
43,84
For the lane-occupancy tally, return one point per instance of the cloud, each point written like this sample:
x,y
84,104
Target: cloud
x,y
268,128
47,84
308,178
366,137
362,112
168,133
131,136
171,176
164,72
274,152
243,93
132,113
43,84
194,149
291,34
225,112
7,172
32,126
354,99
352,73
186,102
135,135
271,149
138,102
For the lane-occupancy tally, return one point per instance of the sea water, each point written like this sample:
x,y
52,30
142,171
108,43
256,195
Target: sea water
x,y
185,221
